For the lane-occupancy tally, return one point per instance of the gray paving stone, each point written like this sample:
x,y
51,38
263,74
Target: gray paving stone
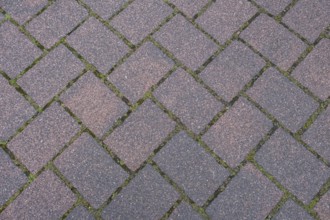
x,y
231,70
237,132
80,213
293,166
191,7
274,7
148,196
183,212
140,18
223,18
191,167
273,41
140,71
291,211
323,206
140,134
187,43
105,8
250,195
279,96
1,16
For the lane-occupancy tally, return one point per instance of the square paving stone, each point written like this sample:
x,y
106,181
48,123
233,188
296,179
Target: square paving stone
x,y
293,166
191,7
313,71
283,99
187,43
91,170
94,103
50,75
80,213
250,195
237,132
291,211
231,70
140,71
148,196
98,44
140,134
17,52
225,17
186,162
140,18
44,137
273,41
274,7
188,100
184,212
323,207
15,110
105,8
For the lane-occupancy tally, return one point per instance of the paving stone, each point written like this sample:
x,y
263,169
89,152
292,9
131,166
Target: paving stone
x,y
43,137
293,166
11,177
140,18
91,170
191,7
105,8
191,167
17,52
140,134
231,70
237,132
313,71
98,44
148,196
250,195
15,110
309,18
183,212
323,207
223,18
279,96
188,100
291,211
50,75
46,198
1,17
274,7
94,103
140,71
80,213
273,41
187,43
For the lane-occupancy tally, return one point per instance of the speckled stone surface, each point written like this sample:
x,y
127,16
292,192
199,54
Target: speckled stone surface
x,y
291,211
191,7
274,7
323,206
80,213
105,8
183,212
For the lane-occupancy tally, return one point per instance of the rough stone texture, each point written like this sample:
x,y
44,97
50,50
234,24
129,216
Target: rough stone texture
x,y
293,166
183,212
105,8
43,137
323,207
148,196
273,41
187,43
140,71
140,134
224,18
191,167
188,100
250,195
291,211
279,96
237,132
46,198
80,213
191,7
140,18
231,70
274,7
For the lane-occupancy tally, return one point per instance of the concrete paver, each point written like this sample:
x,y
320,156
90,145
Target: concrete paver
x,y
323,207
184,211
191,7
105,8
274,7
290,210
80,213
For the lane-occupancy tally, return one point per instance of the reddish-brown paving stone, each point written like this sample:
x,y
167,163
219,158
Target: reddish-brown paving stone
x,y
323,207
105,8
17,52
293,166
57,21
140,18
188,100
237,132
274,7
140,134
140,71
98,44
191,167
224,17
94,103
191,7
183,212
273,41
291,210
250,195
50,75
80,213
148,196
231,70
187,43
279,96
44,137
91,170
46,198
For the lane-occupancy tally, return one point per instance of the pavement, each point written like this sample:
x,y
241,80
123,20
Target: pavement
x,y
164,109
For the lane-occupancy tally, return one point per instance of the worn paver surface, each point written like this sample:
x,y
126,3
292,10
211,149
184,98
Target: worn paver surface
x,y
164,109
